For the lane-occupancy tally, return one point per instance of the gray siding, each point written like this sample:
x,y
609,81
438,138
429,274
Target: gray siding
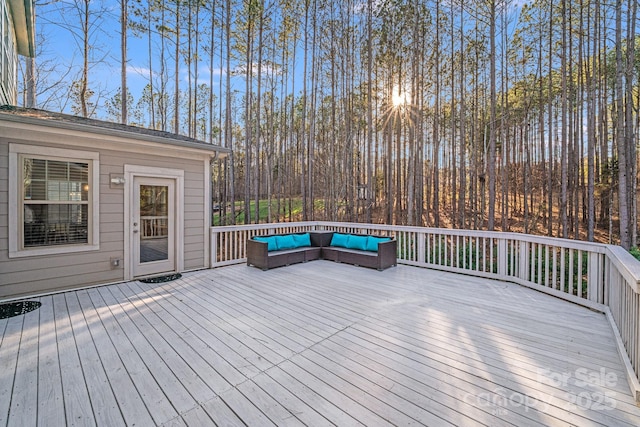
x,y
38,274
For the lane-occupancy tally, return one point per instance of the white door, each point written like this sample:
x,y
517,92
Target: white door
x,y
153,226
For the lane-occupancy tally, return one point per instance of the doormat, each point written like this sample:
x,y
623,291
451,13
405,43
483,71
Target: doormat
x,y
12,309
162,279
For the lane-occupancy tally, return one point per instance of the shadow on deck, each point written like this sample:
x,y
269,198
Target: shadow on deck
x,y
317,344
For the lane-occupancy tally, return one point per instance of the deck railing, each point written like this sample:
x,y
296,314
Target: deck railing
x,y
602,277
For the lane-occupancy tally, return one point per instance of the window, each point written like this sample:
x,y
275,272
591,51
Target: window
x,y
56,200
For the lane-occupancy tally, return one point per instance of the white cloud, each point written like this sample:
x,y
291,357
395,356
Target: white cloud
x,y
204,74
267,69
139,71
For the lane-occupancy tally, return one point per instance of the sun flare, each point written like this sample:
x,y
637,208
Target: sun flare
x,y
398,98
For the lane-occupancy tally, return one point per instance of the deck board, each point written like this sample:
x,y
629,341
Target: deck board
x,y
129,400
293,403
197,417
312,344
50,398
8,360
158,365
435,391
251,347
216,349
104,404
186,363
23,400
221,414
179,364
77,401
310,393
146,388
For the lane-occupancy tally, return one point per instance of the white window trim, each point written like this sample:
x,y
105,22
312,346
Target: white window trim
x,y
15,150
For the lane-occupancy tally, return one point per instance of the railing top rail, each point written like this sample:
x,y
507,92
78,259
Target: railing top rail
x,y
270,226
555,241
626,264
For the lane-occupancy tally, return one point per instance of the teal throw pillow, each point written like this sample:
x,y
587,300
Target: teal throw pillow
x,y
357,242
302,240
270,241
340,240
285,242
372,243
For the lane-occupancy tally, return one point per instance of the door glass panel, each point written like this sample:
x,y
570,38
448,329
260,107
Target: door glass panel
x,y
154,221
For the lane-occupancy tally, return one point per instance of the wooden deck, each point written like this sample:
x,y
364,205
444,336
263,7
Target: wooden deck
x,y
311,344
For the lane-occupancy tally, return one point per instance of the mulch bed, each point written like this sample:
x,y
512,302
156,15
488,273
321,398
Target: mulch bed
x,y
12,309
162,279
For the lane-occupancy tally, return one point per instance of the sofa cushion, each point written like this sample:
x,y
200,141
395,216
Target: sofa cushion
x,y
372,243
285,242
357,242
302,240
340,240
272,245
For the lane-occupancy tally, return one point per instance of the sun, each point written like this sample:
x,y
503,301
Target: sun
x,y
398,99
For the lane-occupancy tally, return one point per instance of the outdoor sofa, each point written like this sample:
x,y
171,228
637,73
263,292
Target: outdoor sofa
x,y
265,252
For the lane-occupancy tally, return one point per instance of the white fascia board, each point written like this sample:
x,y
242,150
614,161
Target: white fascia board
x,y
24,26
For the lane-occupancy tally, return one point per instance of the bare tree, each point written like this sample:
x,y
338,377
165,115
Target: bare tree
x,y
83,20
123,57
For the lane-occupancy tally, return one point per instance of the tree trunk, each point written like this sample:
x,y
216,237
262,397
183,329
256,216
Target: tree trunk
x,y
369,185
176,94
248,160
629,135
30,82
623,205
123,61
257,168
227,120
491,160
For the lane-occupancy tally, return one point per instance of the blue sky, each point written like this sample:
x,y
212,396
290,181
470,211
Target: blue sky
x,y
56,23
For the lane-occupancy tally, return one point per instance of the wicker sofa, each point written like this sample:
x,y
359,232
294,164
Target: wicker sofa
x,y
278,250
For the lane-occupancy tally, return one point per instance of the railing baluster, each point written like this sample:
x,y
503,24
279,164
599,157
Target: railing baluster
x,y
570,277
579,280
474,255
562,269
491,255
540,280
446,256
554,281
532,265
523,258
546,265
